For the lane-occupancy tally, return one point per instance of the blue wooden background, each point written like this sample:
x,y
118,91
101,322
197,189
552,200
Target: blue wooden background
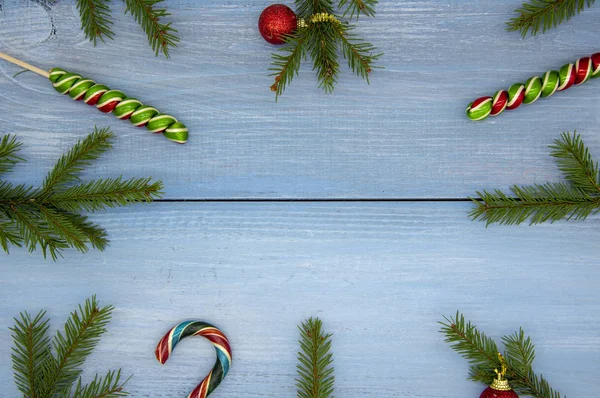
x,y
379,273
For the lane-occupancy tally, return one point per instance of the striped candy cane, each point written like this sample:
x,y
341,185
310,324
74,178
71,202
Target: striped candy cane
x,y
215,336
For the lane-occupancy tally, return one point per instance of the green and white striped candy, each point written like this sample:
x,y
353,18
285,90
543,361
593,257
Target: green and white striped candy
x,y
142,115
550,83
584,69
177,132
126,107
533,89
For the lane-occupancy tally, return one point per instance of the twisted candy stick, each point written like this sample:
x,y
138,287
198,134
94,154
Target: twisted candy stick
x,y
215,336
553,81
123,107
80,88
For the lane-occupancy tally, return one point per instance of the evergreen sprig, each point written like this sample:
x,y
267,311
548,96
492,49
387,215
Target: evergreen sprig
x,y
95,19
482,354
576,199
322,37
545,14
48,217
148,15
315,369
40,373
96,22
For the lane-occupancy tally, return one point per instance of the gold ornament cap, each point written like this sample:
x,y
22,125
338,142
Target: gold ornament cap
x,y
500,383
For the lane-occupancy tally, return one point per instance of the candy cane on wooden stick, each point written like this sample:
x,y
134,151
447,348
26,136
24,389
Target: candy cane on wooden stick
x,y
107,101
536,87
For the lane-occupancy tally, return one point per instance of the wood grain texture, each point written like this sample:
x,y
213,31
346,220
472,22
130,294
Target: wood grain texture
x,y
405,135
379,274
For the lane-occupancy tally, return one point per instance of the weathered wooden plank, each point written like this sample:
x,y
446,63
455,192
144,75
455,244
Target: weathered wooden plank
x,y
379,274
405,135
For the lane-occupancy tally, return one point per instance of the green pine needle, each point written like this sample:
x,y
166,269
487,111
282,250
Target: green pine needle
x,y
48,217
95,19
315,369
96,22
323,41
482,354
577,199
40,373
160,36
545,14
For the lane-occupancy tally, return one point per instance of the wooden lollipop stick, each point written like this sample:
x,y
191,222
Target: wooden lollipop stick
x,y
25,65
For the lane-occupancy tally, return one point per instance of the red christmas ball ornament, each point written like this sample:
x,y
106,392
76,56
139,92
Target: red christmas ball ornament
x,y
276,21
499,387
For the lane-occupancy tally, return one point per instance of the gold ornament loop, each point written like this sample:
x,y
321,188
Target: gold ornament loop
x,y
500,383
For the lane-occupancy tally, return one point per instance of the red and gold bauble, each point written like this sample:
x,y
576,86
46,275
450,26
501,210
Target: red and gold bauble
x,y
499,387
277,21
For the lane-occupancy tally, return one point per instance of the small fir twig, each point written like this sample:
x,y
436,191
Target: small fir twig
x,y
96,22
160,36
482,354
95,19
315,369
322,36
48,217
576,199
40,373
545,14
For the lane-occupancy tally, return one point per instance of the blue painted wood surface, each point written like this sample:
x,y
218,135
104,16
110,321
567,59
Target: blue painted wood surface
x,y
380,274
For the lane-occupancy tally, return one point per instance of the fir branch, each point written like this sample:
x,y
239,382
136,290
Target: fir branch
x,y
9,234
75,160
315,370
8,149
102,387
478,349
286,66
576,163
72,229
357,7
82,332
481,352
322,35
95,19
306,8
538,203
322,46
31,351
48,217
41,374
548,202
546,14
358,53
35,232
106,193
160,36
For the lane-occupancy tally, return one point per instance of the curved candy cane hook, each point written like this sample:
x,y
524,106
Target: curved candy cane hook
x,y
212,334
